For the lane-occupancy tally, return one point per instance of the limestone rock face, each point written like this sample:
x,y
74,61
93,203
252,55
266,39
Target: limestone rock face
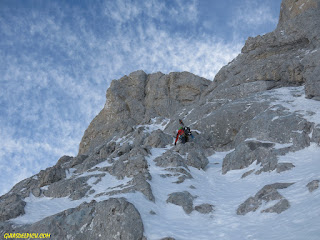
x,y
113,219
51,175
286,56
137,98
11,207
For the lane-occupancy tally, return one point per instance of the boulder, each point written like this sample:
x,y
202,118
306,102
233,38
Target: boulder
x,y
313,185
140,184
266,194
183,199
248,152
197,159
204,208
281,167
170,159
279,207
158,139
114,218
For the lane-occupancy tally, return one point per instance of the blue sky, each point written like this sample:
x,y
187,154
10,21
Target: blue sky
x,y
57,59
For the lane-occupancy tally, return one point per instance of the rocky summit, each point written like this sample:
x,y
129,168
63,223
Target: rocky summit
x,y
251,170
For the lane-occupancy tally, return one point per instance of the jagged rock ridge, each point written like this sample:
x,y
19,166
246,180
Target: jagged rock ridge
x,y
127,169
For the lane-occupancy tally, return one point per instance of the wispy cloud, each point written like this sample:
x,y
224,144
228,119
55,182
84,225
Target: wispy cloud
x,y
58,60
252,14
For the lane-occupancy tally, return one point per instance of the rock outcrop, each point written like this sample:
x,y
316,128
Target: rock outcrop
x,y
183,199
110,219
285,57
266,194
137,98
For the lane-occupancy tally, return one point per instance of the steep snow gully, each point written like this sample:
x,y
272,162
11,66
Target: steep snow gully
x,y
225,192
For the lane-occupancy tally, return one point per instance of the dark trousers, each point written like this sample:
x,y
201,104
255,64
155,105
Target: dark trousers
x,y
184,139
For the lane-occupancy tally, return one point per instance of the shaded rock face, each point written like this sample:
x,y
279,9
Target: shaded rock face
x,y
158,139
51,175
266,194
111,219
10,207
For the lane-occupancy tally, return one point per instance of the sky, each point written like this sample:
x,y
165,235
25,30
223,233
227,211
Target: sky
x,y
57,59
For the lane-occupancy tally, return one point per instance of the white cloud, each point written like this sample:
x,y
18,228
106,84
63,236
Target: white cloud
x,y
252,14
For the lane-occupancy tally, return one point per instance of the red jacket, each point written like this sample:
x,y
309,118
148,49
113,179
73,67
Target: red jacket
x,y
180,132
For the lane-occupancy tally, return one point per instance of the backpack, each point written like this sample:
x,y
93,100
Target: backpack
x,y
187,131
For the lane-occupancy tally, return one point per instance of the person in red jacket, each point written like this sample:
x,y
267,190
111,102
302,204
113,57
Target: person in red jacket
x,y
184,137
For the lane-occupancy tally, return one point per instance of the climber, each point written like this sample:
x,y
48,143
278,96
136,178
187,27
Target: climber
x,y
182,136
183,133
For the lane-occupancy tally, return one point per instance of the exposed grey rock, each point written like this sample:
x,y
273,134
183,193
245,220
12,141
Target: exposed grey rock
x,y
11,206
248,152
125,148
279,207
283,57
267,193
316,135
112,219
183,199
24,187
152,212
137,98
51,175
139,151
5,227
64,160
313,185
247,173
204,208
168,238
78,160
170,159
105,150
36,192
75,188
140,184
158,139
128,166
281,167
277,126
197,159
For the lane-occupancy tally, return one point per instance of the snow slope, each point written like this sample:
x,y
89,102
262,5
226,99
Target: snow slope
x,y
225,192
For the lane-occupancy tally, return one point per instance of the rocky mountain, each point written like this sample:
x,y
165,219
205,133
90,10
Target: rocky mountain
x,y
251,171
